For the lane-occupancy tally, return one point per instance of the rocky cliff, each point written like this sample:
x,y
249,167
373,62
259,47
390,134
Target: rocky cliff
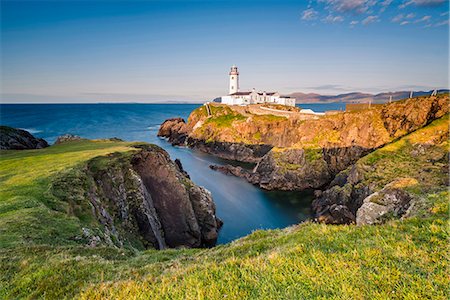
x,y
18,139
296,153
389,182
140,199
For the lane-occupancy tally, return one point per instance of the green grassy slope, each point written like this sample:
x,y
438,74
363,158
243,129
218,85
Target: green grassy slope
x,y
29,213
400,259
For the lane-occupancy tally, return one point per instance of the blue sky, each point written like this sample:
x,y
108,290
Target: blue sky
x,y
147,51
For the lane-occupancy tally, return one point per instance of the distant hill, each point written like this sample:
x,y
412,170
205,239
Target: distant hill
x,y
356,97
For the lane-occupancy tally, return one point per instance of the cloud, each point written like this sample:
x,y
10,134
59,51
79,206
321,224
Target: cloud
x,y
333,19
422,3
385,4
309,14
400,18
345,6
445,22
369,20
366,12
327,87
423,19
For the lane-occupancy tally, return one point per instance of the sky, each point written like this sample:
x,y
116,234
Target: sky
x,y
172,51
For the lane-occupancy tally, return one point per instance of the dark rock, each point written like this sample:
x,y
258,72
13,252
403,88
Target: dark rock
x,y
336,214
186,211
18,139
232,151
180,168
343,191
175,130
116,139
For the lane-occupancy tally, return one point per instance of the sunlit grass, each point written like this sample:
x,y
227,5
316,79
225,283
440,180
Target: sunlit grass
x,y
402,259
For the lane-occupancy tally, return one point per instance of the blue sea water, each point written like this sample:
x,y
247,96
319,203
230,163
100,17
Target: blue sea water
x,y
242,206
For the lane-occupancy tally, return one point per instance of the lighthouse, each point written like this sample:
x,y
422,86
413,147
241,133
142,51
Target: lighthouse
x,y
234,80
236,97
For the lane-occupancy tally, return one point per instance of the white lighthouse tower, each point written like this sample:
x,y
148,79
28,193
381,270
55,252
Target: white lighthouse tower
x,y
234,80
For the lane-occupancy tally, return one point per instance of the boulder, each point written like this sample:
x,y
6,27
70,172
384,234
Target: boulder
x,y
390,202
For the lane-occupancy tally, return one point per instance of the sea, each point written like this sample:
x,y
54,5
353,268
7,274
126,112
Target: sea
x,y
242,207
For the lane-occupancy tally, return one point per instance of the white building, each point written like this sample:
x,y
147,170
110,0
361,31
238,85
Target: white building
x,y
236,97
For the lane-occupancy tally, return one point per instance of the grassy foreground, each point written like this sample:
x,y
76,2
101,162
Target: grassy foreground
x,y
38,258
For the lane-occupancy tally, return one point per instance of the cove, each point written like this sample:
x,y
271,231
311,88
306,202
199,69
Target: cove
x,y
242,206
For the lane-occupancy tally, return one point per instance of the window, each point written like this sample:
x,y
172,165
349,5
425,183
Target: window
x,y
232,77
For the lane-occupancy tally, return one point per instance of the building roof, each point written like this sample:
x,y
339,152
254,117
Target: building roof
x,y
267,93
248,93
241,93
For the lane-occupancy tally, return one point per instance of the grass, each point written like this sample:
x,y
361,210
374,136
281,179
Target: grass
x,y
396,260
29,213
411,156
39,259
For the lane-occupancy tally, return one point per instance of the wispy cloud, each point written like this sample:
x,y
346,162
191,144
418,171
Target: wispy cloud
x,y
422,3
328,88
366,12
344,6
401,18
333,19
442,23
385,4
369,20
309,14
423,19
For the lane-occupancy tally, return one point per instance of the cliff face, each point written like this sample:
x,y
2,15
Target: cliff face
x,y
389,182
306,153
142,200
18,139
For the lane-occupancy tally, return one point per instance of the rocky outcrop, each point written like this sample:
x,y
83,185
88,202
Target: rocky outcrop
x,y
296,169
143,200
384,184
338,204
400,118
67,138
175,130
18,139
387,203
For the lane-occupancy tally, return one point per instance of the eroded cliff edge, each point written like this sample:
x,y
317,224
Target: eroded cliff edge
x,y
139,199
